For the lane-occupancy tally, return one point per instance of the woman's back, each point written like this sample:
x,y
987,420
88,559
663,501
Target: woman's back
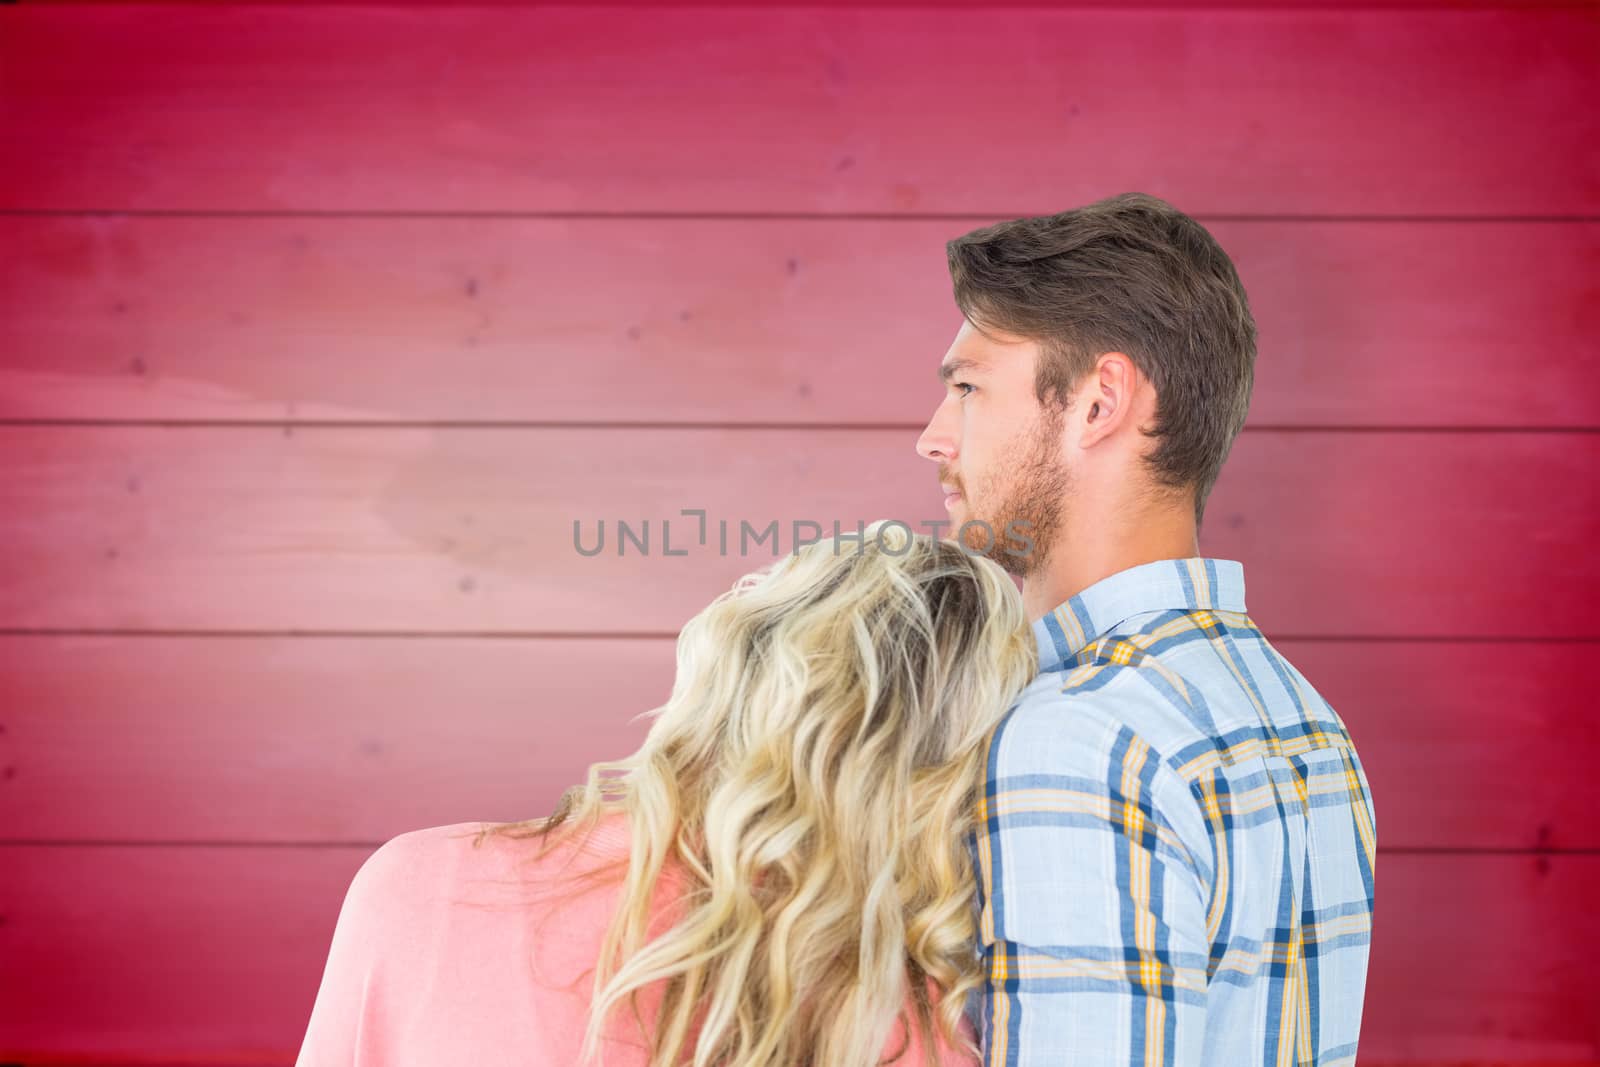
x,y
814,775
449,954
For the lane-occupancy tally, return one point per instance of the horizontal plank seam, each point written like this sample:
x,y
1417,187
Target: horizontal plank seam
x,y
18,842
1409,6
1262,6
657,424
748,216
669,635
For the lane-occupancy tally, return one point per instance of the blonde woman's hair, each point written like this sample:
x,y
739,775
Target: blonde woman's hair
x,y
815,775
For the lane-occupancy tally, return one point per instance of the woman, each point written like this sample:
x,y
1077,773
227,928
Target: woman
x,y
777,877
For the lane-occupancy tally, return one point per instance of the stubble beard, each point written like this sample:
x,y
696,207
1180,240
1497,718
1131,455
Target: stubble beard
x,y
1031,483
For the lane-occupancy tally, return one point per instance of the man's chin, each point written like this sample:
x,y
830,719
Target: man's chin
x,y
978,531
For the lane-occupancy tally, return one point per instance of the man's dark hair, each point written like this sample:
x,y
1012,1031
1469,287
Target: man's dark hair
x,y
1130,274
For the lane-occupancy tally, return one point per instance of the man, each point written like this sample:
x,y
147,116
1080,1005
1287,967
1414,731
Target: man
x,y
1176,842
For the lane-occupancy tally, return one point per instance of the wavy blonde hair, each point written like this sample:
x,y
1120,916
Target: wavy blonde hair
x,y
814,774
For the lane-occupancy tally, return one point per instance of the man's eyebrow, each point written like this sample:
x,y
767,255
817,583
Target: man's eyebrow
x,y
957,366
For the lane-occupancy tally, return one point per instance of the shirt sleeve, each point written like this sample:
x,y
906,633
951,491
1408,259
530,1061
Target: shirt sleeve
x,y
1093,910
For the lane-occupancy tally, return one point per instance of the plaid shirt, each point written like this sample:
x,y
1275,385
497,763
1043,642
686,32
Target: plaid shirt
x,y
1176,843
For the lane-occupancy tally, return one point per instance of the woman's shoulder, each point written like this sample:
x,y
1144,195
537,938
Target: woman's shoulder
x,y
398,878
425,862
414,858
454,889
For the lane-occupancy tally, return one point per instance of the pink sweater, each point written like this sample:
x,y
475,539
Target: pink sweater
x,y
450,956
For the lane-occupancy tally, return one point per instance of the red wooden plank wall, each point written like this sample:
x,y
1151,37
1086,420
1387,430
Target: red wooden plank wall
x,y
320,327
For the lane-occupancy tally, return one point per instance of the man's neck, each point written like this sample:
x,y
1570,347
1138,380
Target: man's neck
x,y
1082,556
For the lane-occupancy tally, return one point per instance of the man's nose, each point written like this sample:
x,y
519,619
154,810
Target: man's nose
x,y
937,441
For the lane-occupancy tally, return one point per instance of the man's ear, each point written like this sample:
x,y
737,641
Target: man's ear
x,y
1107,397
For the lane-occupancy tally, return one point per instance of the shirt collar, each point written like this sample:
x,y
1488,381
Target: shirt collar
x,y
1193,584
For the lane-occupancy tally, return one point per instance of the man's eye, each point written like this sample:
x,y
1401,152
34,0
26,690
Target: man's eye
x,y
964,385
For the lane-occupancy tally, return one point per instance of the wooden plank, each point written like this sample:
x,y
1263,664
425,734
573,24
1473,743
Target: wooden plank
x,y
307,740
1468,745
773,321
1482,958
798,109
1262,4
182,953
215,953
355,739
473,530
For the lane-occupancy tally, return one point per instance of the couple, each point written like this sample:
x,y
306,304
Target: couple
x,y
894,811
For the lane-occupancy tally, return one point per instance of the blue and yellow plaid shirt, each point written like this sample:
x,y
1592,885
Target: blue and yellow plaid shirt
x,y
1176,842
